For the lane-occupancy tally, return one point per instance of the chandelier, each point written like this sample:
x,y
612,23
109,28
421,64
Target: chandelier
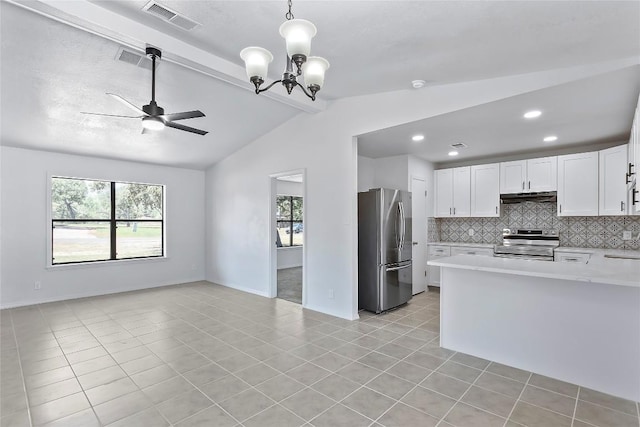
x,y
298,34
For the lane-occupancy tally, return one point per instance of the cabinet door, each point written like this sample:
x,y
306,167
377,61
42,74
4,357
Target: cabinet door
x,y
542,174
578,184
513,176
462,191
613,187
485,190
443,193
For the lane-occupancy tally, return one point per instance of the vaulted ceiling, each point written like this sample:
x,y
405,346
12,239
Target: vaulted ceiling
x,y
58,59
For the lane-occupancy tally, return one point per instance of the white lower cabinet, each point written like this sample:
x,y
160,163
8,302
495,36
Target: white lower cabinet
x,y
462,250
433,273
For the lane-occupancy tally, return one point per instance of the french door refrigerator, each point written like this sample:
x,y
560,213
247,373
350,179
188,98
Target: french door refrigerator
x,y
384,249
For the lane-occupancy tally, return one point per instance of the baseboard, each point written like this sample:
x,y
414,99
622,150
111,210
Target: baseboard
x,y
240,288
77,295
330,313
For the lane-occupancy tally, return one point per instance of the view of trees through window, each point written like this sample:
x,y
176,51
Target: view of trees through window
x,y
103,220
289,220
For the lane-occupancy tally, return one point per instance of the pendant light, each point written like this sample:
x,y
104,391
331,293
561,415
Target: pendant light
x,y
297,34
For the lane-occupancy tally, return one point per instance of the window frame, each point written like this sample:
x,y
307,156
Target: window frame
x,y
113,220
291,221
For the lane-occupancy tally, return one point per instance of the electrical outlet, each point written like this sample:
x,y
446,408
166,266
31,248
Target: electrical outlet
x,y
471,232
626,235
331,294
37,285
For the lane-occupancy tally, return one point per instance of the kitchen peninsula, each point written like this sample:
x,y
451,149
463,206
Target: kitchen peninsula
x,y
579,323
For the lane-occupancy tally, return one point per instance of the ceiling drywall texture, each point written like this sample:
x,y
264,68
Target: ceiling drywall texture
x,y
52,71
596,109
379,46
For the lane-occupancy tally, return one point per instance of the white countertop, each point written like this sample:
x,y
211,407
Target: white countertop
x,y
600,252
622,272
466,245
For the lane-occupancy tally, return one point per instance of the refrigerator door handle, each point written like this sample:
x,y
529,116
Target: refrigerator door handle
x,y
402,225
399,267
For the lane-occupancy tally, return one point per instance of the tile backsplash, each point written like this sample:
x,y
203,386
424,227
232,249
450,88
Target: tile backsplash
x,y
585,232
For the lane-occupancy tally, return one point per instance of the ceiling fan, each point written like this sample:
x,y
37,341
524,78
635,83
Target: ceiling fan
x,y
153,116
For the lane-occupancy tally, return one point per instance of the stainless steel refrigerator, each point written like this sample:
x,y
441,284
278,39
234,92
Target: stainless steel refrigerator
x,y
384,249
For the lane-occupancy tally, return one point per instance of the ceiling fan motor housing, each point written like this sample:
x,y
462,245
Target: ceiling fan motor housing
x,y
152,51
152,109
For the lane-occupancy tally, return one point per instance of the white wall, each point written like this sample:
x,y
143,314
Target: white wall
x,y
366,173
24,229
288,188
238,243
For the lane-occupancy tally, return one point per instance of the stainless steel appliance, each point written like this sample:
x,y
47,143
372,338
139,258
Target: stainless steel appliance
x,y
384,249
526,243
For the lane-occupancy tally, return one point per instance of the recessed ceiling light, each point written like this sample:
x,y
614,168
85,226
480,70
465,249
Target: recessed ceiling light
x,y
453,153
550,138
532,114
417,84
417,138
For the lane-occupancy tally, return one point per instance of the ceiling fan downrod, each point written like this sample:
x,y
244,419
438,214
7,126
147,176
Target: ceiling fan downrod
x,y
152,109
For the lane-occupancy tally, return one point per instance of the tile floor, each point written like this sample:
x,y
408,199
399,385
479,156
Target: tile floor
x,y
204,355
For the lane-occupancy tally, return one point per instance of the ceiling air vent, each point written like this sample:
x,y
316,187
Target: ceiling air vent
x,y
171,16
134,58
459,145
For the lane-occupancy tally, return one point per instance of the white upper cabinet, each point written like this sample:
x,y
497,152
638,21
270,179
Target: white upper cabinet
x,y
528,176
578,184
443,193
485,194
613,186
633,165
453,192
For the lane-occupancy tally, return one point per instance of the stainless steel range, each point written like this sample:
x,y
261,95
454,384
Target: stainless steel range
x,y
526,243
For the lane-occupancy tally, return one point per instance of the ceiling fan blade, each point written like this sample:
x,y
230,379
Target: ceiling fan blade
x,y
127,103
184,115
111,115
186,128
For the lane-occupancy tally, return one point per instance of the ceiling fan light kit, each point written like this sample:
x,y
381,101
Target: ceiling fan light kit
x,y
152,115
297,34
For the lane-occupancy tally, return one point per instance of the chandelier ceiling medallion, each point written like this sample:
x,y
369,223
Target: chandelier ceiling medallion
x,y
298,34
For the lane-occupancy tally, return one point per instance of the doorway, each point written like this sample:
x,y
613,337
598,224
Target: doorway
x,y
419,234
288,230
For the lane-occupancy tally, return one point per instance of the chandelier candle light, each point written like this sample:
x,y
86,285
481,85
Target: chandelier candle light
x,y
298,34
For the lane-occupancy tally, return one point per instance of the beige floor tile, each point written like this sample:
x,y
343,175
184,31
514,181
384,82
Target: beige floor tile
x,y
148,417
88,354
246,404
59,408
489,401
424,360
212,416
308,373
359,373
45,378
549,400
603,417
153,376
88,366
390,385
284,362
53,391
409,372
17,419
307,403
551,384
122,407
32,368
401,416
101,377
336,387
105,392
509,372
340,415
428,402
224,388
608,401
183,405
378,360
276,416
167,389
237,362
500,384
463,415
368,403
85,418
533,416
257,374
331,361
474,362
280,387
446,385
11,403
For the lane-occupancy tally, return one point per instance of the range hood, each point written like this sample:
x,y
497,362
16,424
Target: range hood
x,y
541,197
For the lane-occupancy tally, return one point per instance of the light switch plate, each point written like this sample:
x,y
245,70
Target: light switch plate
x,y
626,235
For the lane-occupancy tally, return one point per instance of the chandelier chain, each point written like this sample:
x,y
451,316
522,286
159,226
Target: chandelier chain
x,y
289,14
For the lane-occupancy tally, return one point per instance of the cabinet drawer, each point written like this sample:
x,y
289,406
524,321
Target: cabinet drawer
x,y
471,251
439,251
580,258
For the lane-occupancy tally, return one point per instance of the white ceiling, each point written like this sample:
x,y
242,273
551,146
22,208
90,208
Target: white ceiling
x,y
597,109
51,71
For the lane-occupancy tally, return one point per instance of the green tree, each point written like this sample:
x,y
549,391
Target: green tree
x,y
135,201
68,197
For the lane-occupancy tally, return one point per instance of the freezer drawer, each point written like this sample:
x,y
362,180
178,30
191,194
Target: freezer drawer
x,y
395,285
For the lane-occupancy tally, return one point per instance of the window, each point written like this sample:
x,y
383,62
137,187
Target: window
x,y
104,220
289,219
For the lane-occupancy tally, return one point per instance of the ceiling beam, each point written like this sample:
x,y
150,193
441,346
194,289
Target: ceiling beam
x,y
94,19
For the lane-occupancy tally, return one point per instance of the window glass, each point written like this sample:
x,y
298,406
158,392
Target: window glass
x,y
289,220
103,220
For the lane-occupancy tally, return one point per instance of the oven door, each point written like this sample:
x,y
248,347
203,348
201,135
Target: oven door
x,y
524,256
